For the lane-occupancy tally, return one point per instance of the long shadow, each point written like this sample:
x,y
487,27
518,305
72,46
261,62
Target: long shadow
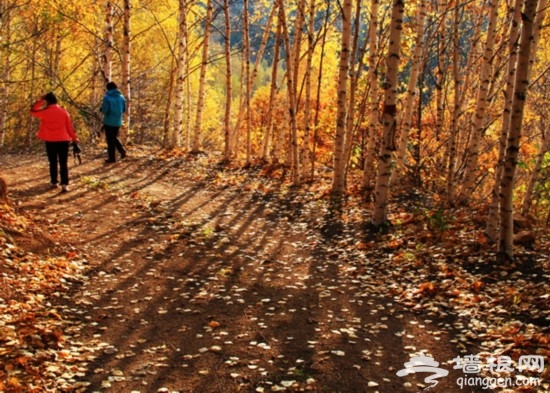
x,y
252,286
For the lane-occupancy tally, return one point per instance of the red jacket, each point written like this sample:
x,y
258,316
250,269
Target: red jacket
x,y
55,123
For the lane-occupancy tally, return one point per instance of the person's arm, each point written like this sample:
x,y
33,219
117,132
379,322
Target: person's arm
x,y
104,106
37,107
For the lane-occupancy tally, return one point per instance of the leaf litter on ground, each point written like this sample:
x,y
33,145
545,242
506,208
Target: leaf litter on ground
x,y
441,273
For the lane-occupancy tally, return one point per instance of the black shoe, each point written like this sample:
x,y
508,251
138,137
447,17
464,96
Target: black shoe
x,y
110,161
122,156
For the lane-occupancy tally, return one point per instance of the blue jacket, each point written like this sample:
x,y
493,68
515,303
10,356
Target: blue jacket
x,y
113,107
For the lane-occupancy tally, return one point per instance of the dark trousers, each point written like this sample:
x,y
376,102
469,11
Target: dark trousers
x,y
58,154
113,143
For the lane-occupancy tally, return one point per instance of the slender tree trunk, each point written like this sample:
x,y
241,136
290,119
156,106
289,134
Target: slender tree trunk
x,y
535,173
266,140
388,146
506,238
263,43
306,143
492,227
338,180
180,75
292,99
441,71
368,171
355,67
461,84
168,108
248,82
411,91
479,122
107,54
318,96
266,148
5,64
296,57
126,90
196,140
227,152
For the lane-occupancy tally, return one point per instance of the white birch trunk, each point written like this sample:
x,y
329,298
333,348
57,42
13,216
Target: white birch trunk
x,y
292,99
338,180
266,147
126,91
521,84
107,54
411,91
535,173
196,139
479,122
368,171
306,161
227,152
248,84
5,64
388,146
180,76
492,227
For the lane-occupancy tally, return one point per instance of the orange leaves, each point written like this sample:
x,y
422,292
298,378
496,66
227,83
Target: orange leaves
x,y
477,286
28,322
427,288
394,244
214,324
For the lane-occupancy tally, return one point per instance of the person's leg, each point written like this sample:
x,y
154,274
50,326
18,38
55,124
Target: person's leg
x,y
63,154
118,144
51,151
111,138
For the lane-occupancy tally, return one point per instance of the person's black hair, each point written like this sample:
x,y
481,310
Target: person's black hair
x,y
50,98
111,86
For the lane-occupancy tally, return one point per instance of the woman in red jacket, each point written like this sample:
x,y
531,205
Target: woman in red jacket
x,y
56,129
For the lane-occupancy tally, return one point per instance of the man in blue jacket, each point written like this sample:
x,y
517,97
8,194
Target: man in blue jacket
x,y
113,108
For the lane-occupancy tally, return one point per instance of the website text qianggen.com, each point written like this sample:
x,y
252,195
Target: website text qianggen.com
x,y
493,383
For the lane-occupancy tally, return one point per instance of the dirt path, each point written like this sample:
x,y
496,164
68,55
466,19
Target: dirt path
x,y
194,283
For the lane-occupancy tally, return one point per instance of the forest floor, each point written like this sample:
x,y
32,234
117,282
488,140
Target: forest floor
x,y
172,274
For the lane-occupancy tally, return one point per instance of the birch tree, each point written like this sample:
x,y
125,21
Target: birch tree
x,y
492,228
5,65
368,171
441,73
479,122
227,152
355,69
126,69
180,75
292,104
461,84
306,163
273,89
338,180
537,169
247,82
389,114
318,96
411,88
506,233
196,140
108,41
